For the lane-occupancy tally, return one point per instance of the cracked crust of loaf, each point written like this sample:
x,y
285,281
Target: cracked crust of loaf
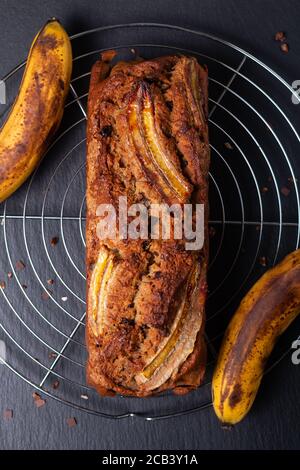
x,y
149,278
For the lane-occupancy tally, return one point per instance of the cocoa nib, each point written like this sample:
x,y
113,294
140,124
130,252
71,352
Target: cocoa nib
x,y
280,36
54,241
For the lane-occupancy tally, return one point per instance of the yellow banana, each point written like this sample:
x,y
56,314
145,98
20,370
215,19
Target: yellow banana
x,y
38,108
264,313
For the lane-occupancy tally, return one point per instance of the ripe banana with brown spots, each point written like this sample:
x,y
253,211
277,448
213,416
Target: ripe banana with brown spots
x,y
264,313
38,108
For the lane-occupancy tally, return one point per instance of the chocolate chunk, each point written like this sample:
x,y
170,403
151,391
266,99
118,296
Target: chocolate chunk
x,y
157,274
128,321
106,131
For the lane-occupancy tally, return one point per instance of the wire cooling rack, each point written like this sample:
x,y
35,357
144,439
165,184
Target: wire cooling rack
x,y
254,215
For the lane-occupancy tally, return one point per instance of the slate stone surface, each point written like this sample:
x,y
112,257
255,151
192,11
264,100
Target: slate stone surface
x,y
274,420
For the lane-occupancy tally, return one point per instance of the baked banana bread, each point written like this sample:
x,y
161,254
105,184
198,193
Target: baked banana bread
x,y
147,139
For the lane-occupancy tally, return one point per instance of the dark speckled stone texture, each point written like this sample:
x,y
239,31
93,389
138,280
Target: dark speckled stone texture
x,y
274,422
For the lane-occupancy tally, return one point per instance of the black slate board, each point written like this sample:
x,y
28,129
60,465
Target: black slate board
x,y
274,421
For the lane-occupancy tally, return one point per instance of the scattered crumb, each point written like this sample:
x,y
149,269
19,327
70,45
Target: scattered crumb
x,y
24,286
228,145
280,36
84,397
2,285
71,422
284,47
64,299
20,265
50,282
265,189
263,261
257,227
270,178
46,294
8,414
9,275
39,402
52,355
54,241
55,384
285,191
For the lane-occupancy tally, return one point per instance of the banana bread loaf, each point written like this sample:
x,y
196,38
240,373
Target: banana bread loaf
x,y
147,139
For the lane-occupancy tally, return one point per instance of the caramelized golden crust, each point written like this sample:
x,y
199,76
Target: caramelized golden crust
x,y
147,139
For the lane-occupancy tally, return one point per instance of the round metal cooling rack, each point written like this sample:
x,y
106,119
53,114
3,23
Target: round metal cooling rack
x,y
254,215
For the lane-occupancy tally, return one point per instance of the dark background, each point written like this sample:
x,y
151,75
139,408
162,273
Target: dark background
x,y
274,420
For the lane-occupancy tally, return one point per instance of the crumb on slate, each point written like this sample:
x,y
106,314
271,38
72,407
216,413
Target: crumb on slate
x,y
20,265
71,422
54,241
